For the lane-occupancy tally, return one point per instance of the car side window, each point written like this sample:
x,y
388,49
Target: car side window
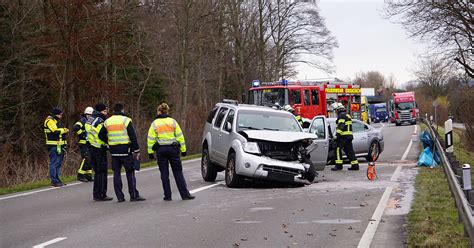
x,y
220,117
359,127
318,128
211,115
229,120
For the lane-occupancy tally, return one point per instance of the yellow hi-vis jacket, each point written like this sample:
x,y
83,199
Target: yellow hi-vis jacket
x,y
93,126
55,135
165,131
344,126
116,126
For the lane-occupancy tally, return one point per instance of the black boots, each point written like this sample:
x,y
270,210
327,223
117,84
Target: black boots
x,y
337,167
354,167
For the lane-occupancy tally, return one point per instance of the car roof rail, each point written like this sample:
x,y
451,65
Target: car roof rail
x,y
230,101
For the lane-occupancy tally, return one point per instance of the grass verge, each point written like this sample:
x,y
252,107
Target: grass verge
x,y
68,179
433,219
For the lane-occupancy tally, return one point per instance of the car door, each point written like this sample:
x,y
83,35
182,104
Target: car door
x,y
318,150
360,140
216,151
224,137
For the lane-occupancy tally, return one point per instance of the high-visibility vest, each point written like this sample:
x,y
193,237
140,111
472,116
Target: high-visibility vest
x,y
116,126
54,133
165,131
93,126
347,130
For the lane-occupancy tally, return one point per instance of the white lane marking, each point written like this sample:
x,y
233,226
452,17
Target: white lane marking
x,y
369,233
409,146
205,187
49,242
394,177
77,183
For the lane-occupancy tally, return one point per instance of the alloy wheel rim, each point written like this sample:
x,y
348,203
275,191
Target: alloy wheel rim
x,y
374,151
230,170
204,164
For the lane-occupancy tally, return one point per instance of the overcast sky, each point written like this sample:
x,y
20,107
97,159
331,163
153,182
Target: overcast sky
x,y
367,42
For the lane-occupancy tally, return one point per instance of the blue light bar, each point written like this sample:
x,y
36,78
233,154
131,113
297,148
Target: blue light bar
x,y
256,83
284,82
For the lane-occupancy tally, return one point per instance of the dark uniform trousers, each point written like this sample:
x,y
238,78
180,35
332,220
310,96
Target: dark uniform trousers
x,y
127,163
345,144
170,154
86,158
99,165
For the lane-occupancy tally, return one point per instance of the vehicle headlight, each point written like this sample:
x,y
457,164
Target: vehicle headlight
x,y
251,147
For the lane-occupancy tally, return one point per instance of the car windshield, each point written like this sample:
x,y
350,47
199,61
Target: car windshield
x,y
381,110
405,105
268,97
260,120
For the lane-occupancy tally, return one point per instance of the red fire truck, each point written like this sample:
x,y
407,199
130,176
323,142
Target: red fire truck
x,y
308,98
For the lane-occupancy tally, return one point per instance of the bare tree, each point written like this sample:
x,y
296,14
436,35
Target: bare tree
x,y
449,25
433,74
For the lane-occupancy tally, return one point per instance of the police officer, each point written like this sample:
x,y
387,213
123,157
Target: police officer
x,y
166,138
84,173
292,110
98,152
55,135
344,139
119,133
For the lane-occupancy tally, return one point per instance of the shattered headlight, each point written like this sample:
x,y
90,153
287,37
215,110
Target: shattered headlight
x,y
251,147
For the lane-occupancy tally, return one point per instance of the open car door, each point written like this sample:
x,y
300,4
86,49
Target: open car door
x,y
320,147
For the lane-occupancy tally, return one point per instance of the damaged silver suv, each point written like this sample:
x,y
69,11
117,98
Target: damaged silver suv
x,y
261,143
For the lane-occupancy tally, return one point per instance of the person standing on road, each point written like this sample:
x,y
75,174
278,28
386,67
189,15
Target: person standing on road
x,y
55,135
98,152
166,138
119,133
344,139
84,173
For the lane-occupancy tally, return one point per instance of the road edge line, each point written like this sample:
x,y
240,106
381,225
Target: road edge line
x,y
205,187
77,183
396,173
409,145
369,233
50,242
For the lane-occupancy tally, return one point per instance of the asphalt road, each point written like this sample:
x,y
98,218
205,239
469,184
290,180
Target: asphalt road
x,y
340,210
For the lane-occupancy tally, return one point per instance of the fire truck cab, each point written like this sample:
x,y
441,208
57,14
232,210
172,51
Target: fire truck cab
x,y
308,98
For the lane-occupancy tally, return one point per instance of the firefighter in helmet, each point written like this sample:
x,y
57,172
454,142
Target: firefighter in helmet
x,y
292,110
84,173
344,139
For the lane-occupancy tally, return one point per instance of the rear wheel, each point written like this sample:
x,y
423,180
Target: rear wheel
x,y
232,180
374,152
208,170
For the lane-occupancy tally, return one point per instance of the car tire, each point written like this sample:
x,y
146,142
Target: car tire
x,y
397,124
232,180
208,169
374,149
310,175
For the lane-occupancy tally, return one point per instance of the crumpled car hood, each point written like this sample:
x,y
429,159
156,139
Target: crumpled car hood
x,y
278,136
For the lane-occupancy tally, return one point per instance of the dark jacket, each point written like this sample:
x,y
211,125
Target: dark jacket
x,y
341,121
125,148
80,125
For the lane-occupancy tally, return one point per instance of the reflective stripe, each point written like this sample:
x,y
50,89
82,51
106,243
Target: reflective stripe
x,y
82,142
338,156
355,162
93,132
165,131
116,127
55,136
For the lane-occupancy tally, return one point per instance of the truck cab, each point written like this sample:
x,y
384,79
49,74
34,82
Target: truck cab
x,y
405,108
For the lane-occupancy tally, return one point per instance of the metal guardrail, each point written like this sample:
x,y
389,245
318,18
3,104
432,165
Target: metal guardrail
x,y
461,201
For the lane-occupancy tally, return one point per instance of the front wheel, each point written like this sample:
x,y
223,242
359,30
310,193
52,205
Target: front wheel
x,y
374,152
232,180
208,170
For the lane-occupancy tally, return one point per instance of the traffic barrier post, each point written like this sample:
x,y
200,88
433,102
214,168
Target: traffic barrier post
x,y
448,136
